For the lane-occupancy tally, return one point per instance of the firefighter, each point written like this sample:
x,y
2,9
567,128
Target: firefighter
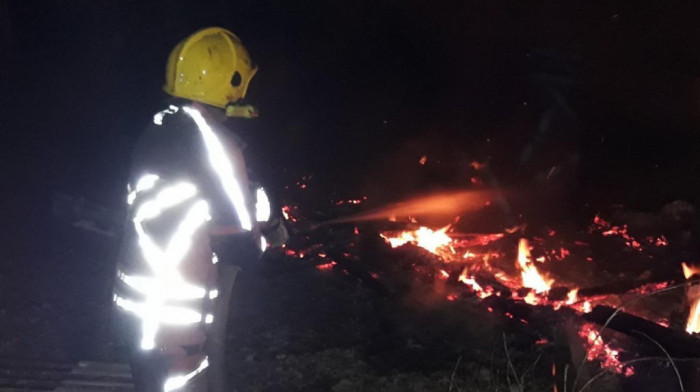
x,y
195,217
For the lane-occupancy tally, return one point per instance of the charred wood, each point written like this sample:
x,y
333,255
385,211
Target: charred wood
x,y
678,343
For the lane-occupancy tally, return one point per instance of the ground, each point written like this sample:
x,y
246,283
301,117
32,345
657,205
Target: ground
x,y
293,327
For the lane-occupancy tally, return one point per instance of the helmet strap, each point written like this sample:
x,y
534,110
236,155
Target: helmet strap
x,y
238,110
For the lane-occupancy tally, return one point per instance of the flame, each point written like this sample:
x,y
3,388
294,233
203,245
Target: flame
x,y
472,252
693,324
572,296
471,282
689,271
530,276
430,240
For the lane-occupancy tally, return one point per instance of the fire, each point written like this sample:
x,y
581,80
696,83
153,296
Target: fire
x,y
598,350
430,240
471,282
572,296
530,276
693,325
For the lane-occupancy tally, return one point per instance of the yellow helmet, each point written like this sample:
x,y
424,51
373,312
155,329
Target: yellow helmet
x,y
210,66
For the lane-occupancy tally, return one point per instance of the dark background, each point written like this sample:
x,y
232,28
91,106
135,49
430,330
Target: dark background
x,y
355,92
342,84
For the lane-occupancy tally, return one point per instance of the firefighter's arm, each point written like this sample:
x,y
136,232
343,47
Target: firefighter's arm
x,y
222,230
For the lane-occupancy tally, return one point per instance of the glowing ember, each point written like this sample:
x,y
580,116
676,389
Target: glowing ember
x,y
423,160
532,299
572,296
530,276
542,342
287,213
661,241
477,165
586,308
607,229
350,201
598,350
326,266
430,240
693,325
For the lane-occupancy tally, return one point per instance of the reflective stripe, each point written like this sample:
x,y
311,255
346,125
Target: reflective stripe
x,y
167,198
166,282
223,167
183,291
262,206
158,117
263,243
170,315
144,183
177,382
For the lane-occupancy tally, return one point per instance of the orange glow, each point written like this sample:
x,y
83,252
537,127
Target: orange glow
x,y
532,299
444,274
430,240
689,271
469,281
693,324
598,350
423,160
477,165
437,204
531,278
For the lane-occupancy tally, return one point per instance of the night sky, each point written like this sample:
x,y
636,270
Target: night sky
x,y
351,90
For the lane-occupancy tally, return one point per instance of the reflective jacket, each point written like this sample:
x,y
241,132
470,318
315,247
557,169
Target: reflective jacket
x,y
188,173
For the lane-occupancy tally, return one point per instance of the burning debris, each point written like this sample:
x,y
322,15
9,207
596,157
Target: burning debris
x,y
434,241
598,350
693,294
507,270
531,276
